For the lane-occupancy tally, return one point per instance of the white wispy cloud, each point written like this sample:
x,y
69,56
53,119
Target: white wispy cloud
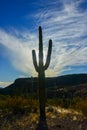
x,y
19,50
5,84
66,26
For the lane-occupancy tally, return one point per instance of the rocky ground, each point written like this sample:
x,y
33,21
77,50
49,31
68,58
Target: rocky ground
x,y
57,119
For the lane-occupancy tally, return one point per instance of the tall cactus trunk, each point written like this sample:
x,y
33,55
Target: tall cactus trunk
x,y
42,94
41,73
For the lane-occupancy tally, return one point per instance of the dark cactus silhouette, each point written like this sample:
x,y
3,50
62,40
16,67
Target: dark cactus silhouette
x,y
40,68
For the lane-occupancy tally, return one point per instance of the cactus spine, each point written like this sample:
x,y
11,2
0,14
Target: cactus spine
x,y
40,68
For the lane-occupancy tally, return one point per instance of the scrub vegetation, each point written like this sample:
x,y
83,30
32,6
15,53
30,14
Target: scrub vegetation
x,y
20,113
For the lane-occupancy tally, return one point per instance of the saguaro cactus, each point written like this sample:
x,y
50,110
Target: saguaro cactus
x,y
40,68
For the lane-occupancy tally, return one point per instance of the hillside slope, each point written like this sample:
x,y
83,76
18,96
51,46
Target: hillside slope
x,y
66,86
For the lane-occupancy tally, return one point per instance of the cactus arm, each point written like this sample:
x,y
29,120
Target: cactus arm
x,y
35,61
48,55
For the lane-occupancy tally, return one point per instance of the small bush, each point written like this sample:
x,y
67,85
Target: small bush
x,y
82,106
50,109
18,105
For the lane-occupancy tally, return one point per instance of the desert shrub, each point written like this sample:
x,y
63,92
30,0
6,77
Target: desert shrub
x,y
50,109
18,105
55,102
69,102
82,106
64,102
3,100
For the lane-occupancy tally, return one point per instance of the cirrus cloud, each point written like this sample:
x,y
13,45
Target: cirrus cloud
x,y
66,26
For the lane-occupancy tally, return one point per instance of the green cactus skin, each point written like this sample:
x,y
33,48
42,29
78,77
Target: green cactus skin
x,y
41,72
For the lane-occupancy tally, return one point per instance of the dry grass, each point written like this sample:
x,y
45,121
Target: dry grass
x,y
18,113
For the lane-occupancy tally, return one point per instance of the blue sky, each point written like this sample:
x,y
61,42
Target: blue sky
x,y
63,21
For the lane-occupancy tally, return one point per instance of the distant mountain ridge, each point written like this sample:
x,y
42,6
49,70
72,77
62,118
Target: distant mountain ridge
x,y
53,85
